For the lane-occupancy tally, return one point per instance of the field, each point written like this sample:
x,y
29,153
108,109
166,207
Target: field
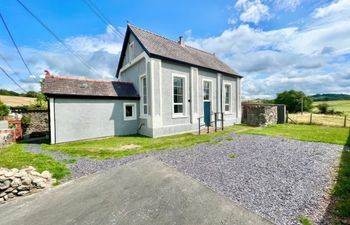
x,y
341,105
319,119
16,100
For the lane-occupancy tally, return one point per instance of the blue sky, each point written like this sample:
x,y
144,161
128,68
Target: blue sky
x,y
274,44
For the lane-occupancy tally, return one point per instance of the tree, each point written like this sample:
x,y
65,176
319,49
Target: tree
x,y
4,110
293,100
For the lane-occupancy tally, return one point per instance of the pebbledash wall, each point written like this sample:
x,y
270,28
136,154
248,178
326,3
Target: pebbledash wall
x,y
75,119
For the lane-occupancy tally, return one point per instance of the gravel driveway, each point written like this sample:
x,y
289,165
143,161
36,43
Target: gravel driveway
x,y
278,178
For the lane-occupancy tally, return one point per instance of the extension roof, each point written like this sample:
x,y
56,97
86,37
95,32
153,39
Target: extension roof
x,y
160,47
83,87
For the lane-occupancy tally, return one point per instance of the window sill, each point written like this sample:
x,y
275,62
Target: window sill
x,y
129,119
179,116
143,117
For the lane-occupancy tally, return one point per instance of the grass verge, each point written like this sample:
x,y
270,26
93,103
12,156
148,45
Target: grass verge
x,y
314,133
113,147
14,156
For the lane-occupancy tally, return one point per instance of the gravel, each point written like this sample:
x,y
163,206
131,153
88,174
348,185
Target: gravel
x,y
278,178
36,149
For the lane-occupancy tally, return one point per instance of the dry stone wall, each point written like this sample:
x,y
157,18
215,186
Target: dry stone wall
x,y
15,183
259,114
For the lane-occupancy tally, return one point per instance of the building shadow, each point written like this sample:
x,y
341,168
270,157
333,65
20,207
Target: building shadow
x,y
338,210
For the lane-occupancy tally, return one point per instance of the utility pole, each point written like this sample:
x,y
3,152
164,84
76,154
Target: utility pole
x,y
302,105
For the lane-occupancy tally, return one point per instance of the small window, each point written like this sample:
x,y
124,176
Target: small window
x,y
178,95
206,90
129,111
143,91
227,98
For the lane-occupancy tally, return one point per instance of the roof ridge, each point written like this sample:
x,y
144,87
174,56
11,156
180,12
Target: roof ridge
x,y
150,32
84,79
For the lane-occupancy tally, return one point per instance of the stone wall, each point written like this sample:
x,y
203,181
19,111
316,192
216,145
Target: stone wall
x,y
7,136
39,121
259,114
15,183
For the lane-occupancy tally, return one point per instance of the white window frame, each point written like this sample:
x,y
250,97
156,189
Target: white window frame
x,y
143,115
131,50
133,105
230,98
210,91
184,114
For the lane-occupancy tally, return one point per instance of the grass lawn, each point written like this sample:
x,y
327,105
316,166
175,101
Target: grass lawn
x,y
333,135
115,146
14,156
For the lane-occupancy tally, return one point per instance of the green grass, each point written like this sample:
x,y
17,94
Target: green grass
x,y
314,133
14,156
229,139
232,155
304,220
112,147
340,105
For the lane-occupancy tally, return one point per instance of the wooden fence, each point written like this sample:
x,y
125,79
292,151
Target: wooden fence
x,y
319,119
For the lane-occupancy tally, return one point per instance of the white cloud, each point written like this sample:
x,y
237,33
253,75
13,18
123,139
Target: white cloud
x,y
252,11
101,52
288,4
336,7
313,58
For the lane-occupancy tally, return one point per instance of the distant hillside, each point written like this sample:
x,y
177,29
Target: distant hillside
x,y
16,100
330,97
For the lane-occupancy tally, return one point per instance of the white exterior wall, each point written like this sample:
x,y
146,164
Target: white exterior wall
x,y
79,119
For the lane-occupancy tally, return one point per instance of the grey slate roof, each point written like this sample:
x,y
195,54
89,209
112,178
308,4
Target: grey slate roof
x,y
163,47
74,86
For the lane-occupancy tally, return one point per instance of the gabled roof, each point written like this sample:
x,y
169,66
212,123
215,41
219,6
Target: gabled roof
x,y
83,87
160,47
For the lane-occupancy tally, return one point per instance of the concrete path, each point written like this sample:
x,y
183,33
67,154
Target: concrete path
x,y
142,192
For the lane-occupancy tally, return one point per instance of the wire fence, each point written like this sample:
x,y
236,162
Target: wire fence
x,y
319,119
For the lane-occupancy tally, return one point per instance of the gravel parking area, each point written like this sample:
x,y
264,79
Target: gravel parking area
x,y
280,179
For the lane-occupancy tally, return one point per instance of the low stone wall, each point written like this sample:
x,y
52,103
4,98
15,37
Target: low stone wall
x,y
7,136
259,114
39,122
15,183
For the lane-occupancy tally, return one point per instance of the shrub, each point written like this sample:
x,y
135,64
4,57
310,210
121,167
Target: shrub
x,y
4,110
293,100
25,122
323,108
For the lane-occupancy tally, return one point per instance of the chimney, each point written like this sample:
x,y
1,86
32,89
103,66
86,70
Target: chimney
x,y
181,41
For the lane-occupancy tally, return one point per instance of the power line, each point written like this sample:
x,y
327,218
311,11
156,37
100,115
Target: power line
x,y
57,38
14,43
12,79
7,63
103,18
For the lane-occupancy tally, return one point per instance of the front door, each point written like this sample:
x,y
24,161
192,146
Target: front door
x,y
207,113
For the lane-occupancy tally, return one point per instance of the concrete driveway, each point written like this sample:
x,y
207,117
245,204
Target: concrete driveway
x,y
142,192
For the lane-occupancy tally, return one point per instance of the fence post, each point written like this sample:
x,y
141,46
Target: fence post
x,y
222,121
216,121
345,121
287,116
199,126
310,118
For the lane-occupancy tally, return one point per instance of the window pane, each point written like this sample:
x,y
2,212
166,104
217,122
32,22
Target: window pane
x,y
227,108
178,90
128,111
144,90
227,94
178,109
145,109
206,90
